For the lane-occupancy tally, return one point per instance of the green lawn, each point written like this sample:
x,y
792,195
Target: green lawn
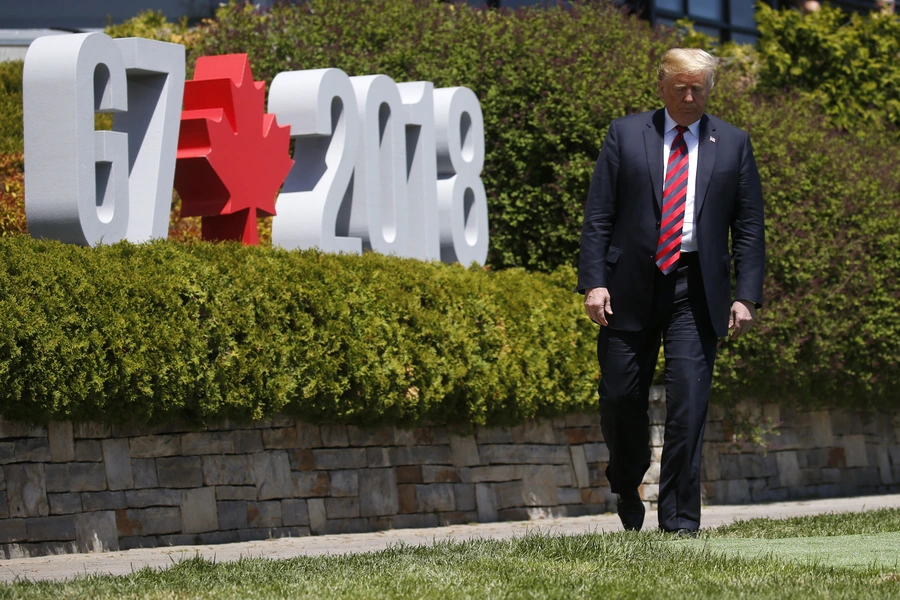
x,y
753,559
881,550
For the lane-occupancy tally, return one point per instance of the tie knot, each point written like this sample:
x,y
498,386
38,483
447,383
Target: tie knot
x,y
680,129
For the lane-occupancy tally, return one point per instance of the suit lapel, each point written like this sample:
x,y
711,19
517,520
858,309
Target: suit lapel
x,y
706,161
653,144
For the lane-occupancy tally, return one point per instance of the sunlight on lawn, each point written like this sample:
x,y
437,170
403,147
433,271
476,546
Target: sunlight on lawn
x,y
863,551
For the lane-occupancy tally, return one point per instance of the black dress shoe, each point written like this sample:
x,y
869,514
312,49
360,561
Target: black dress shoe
x,y
631,510
683,532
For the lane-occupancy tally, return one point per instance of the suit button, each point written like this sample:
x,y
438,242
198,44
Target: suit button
x,y
657,224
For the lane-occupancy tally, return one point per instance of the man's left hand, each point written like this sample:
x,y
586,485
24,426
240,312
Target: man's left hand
x,y
742,318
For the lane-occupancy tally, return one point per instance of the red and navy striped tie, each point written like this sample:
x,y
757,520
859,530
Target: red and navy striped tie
x,y
668,250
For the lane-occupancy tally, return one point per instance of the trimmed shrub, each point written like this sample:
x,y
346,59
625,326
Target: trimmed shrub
x,y
202,332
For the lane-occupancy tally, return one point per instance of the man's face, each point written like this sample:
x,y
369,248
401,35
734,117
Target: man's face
x,y
685,95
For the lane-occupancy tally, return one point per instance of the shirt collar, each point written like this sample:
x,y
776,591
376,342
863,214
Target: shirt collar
x,y
694,127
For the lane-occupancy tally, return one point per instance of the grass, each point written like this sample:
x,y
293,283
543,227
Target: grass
x,y
879,550
872,521
615,565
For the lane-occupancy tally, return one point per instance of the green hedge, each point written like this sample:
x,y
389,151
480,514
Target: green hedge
x,y
201,332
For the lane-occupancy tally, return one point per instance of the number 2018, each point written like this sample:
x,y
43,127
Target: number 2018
x,y
383,166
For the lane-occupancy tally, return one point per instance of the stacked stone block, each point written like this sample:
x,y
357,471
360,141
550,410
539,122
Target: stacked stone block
x,y
88,487
812,454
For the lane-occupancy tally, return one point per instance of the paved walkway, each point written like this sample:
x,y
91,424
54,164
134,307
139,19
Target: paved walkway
x,y
67,566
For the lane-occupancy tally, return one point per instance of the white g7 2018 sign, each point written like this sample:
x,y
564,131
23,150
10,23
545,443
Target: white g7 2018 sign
x,y
394,168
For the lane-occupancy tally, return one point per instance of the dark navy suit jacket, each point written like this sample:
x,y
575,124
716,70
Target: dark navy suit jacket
x,y
622,214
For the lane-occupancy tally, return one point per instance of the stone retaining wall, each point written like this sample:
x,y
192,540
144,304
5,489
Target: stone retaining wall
x,y
811,454
86,487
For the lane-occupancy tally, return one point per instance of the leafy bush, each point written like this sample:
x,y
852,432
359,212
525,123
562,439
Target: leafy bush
x,y
848,64
11,107
12,195
152,24
203,332
828,331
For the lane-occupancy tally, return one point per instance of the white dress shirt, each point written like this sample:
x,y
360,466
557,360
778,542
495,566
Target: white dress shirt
x,y
692,139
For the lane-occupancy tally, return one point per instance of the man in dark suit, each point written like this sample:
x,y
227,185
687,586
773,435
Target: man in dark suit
x,y
668,188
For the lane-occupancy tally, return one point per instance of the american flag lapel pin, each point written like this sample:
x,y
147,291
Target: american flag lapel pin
x,y
712,139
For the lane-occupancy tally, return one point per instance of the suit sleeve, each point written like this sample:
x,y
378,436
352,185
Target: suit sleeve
x,y
599,215
748,235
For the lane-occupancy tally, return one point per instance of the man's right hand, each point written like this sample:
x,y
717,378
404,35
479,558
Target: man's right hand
x,y
596,304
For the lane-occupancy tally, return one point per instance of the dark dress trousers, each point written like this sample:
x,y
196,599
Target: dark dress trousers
x,y
687,309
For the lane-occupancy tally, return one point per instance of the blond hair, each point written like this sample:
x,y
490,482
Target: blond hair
x,y
688,60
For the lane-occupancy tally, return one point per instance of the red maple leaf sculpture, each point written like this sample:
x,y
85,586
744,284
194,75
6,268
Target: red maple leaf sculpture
x,y
232,156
